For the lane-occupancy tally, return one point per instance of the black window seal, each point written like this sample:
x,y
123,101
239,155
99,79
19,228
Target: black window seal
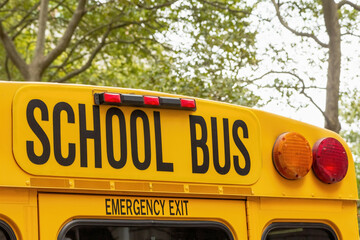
x,y
277,225
8,230
145,223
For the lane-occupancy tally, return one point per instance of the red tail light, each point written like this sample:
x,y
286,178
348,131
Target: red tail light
x,y
330,160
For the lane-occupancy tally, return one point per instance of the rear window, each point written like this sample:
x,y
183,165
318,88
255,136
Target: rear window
x,y
6,233
299,231
144,230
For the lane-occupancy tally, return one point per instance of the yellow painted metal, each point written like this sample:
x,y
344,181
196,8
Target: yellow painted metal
x,y
337,214
175,146
263,129
19,209
272,184
268,196
69,207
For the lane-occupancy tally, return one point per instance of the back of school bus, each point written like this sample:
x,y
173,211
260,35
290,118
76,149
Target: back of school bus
x,y
90,162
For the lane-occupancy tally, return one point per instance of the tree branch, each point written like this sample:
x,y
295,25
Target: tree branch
x,y
13,53
303,88
13,28
90,60
60,3
301,34
166,4
8,74
220,5
344,2
64,41
80,41
351,34
97,49
40,41
3,3
111,26
27,23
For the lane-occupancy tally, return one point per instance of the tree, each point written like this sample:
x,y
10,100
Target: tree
x,y
126,43
329,25
324,23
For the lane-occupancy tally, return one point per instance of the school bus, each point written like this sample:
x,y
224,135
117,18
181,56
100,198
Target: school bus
x,y
91,162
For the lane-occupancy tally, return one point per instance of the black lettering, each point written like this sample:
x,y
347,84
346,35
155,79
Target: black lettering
x,y
115,206
149,207
171,207
107,206
156,202
177,203
241,171
134,142
182,208
117,164
122,206
59,107
226,168
142,206
39,132
89,134
162,203
186,207
160,165
198,143
128,207
137,207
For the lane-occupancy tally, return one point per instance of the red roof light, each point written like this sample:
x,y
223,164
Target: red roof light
x,y
112,98
135,100
187,103
150,100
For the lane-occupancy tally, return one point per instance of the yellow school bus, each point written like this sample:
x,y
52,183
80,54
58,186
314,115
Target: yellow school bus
x,y
101,163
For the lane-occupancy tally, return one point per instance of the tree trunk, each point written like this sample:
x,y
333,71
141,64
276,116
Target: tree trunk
x,y
334,64
35,72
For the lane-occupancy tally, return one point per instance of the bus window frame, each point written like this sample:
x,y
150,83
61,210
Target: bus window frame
x,y
277,225
144,223
5,228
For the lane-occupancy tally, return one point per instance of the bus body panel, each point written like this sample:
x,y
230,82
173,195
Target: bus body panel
x,y
339,215
55,135
19,209
70,207
42,191
309,186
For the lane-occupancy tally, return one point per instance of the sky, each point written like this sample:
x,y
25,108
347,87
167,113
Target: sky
x,y
272,32
305,62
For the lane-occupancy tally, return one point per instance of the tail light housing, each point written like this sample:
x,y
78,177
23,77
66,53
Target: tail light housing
x,y
330,160
292,155
293,158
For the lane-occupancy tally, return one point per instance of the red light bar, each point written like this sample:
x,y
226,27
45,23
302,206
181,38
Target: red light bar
x,y
150,100
187,103
144,101
112,97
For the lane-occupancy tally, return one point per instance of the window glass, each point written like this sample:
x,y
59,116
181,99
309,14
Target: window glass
x,y
112,231
299,232
6,232
3,235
